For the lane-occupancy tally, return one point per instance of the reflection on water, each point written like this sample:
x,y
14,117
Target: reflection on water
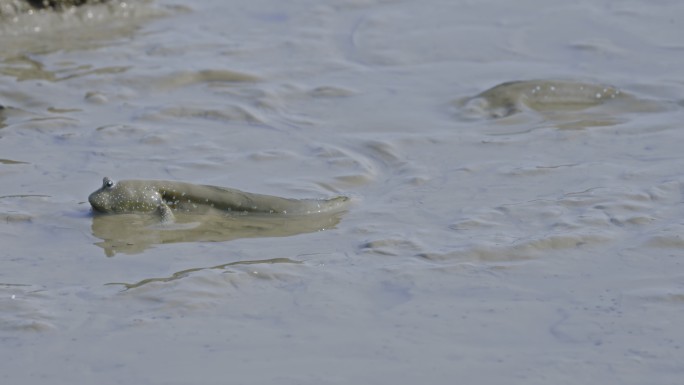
x,y
23,67
186,272
188,78
134,233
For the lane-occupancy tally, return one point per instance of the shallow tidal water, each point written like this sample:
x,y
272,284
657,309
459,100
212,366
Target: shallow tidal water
x,y
537,246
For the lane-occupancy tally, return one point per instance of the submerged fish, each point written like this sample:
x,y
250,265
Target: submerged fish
x,y
549,96
541,95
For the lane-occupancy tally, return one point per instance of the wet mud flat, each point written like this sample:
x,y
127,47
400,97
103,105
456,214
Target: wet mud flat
x,y
515,176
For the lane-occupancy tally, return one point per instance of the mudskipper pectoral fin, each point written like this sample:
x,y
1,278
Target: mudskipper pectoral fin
x,y
165,213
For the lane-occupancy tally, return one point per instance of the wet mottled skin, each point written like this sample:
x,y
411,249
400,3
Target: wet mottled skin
x,y
147,196
512,97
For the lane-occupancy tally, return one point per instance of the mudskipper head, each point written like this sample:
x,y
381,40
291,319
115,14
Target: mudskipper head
x,y
103,199
126,196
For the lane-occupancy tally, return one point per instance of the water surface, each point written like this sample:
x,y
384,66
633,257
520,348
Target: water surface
x,y
541,247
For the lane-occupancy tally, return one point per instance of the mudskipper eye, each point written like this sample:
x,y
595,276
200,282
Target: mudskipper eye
x,y
108,182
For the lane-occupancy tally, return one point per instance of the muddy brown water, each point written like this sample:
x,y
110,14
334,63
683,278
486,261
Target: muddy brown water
x,y
536,247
